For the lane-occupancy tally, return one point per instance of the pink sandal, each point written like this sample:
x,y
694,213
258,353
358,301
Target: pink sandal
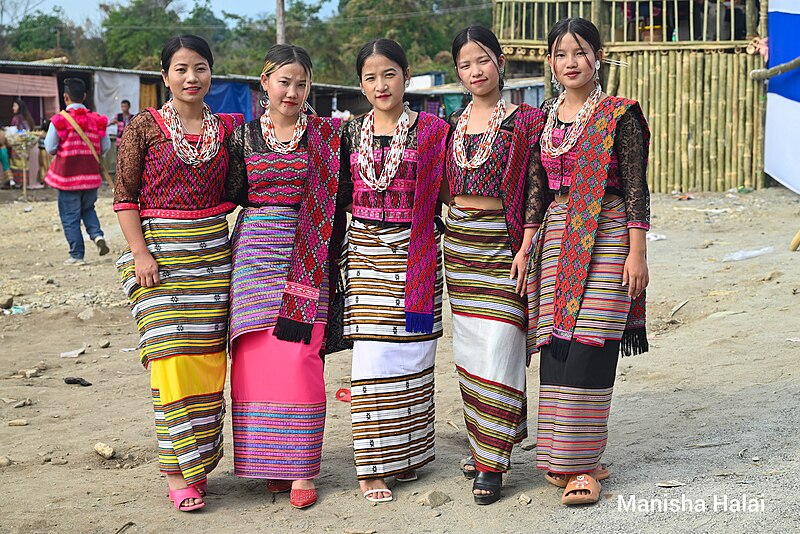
x,y
178,496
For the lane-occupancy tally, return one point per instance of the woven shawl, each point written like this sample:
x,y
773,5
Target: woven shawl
x,y
314,229
583,211
421,263
528,125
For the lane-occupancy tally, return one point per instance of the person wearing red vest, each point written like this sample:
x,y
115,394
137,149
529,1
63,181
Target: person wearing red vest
x,y
75,171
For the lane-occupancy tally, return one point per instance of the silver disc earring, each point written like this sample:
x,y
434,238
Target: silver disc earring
x,y
264,101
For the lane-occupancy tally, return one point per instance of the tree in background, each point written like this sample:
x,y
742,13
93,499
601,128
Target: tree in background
x,y
131,35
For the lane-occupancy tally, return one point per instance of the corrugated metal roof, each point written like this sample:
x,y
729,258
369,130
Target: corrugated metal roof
x,y
61,67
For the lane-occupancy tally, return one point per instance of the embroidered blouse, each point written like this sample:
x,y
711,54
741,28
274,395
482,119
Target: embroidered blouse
x,y
487,180
259,176
392,207
152,178
627,172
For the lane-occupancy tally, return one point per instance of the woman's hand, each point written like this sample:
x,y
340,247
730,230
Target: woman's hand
x,y
146,270
519,270
635,274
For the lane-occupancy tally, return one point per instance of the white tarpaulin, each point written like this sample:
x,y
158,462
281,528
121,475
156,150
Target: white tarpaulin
x,y
111,88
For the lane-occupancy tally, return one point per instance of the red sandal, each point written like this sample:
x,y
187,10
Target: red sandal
x,y
278,486
303,498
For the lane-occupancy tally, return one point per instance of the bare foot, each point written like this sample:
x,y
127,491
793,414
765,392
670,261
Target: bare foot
x,y
375,484
176,482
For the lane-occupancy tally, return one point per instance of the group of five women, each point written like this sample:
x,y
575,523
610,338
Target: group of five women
x,y
543,250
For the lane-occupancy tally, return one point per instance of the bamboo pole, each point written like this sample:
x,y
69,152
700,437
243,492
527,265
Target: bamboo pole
x,y
741,148
760,114
687,66
653,177
613,79
664,121
624,73
676,140
748,126
640,76
548,77
719,120
712,113
751,16
732,121
697,122
670,123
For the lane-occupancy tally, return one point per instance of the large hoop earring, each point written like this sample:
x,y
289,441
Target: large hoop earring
x,y
264,101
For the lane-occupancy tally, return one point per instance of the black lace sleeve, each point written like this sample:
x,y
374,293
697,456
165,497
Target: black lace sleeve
x,y
344,196
631,150
236,179
536,191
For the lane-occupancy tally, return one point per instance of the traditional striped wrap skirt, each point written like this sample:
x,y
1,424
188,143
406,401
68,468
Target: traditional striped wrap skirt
x,y
575,394
392,406
182,323
189,410
187,313
277,387
488,336
374,264
392,389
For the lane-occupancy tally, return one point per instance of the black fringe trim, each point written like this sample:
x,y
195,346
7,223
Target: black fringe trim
x,y
634,342
293,331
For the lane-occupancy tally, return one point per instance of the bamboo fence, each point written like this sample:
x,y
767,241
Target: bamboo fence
x,y
705,116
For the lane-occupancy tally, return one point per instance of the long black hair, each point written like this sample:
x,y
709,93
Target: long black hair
x,y
575,26
483,37
382,47
24,113
285,54
192,42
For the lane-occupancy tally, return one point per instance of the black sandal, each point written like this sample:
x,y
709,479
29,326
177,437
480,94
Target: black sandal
x,y
469,473
488,481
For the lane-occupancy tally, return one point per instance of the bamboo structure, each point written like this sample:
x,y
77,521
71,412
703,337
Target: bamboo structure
x,y
705,114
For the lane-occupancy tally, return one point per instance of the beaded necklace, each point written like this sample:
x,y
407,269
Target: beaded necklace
x,y
366,158
268,131
575,130
205,149
487,139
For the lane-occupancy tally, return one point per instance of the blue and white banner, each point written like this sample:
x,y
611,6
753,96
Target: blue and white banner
x,y
782,135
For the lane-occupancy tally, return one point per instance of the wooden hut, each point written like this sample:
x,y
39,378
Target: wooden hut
x,y
687,63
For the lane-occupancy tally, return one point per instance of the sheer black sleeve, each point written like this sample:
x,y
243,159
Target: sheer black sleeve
x,y
344,196
631,151
536,192
236,180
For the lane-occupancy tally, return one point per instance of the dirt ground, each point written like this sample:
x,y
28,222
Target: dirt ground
x,y
710,410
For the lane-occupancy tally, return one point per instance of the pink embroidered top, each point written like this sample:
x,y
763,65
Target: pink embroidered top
x,y
393,207
152,178
627,170
259,176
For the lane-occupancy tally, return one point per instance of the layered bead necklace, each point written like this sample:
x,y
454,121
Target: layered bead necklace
x,y
366,158
575,130
268,131
486,142
190,154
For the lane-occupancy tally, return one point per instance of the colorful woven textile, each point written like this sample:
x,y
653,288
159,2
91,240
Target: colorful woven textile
x,y
422,249
314,228
586,195
528,124
187,312
478,258
189,412
375,267
262,243
605,306
74,167
490,360
572,429
278,394
392,406
152,178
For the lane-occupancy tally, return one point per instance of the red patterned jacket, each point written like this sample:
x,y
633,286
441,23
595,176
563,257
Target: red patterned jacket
x,y
74,167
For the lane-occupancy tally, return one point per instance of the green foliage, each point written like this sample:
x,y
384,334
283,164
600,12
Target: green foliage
x,y
40,31
132,35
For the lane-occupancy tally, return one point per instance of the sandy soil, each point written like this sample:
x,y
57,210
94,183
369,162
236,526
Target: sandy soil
x,y
712,407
